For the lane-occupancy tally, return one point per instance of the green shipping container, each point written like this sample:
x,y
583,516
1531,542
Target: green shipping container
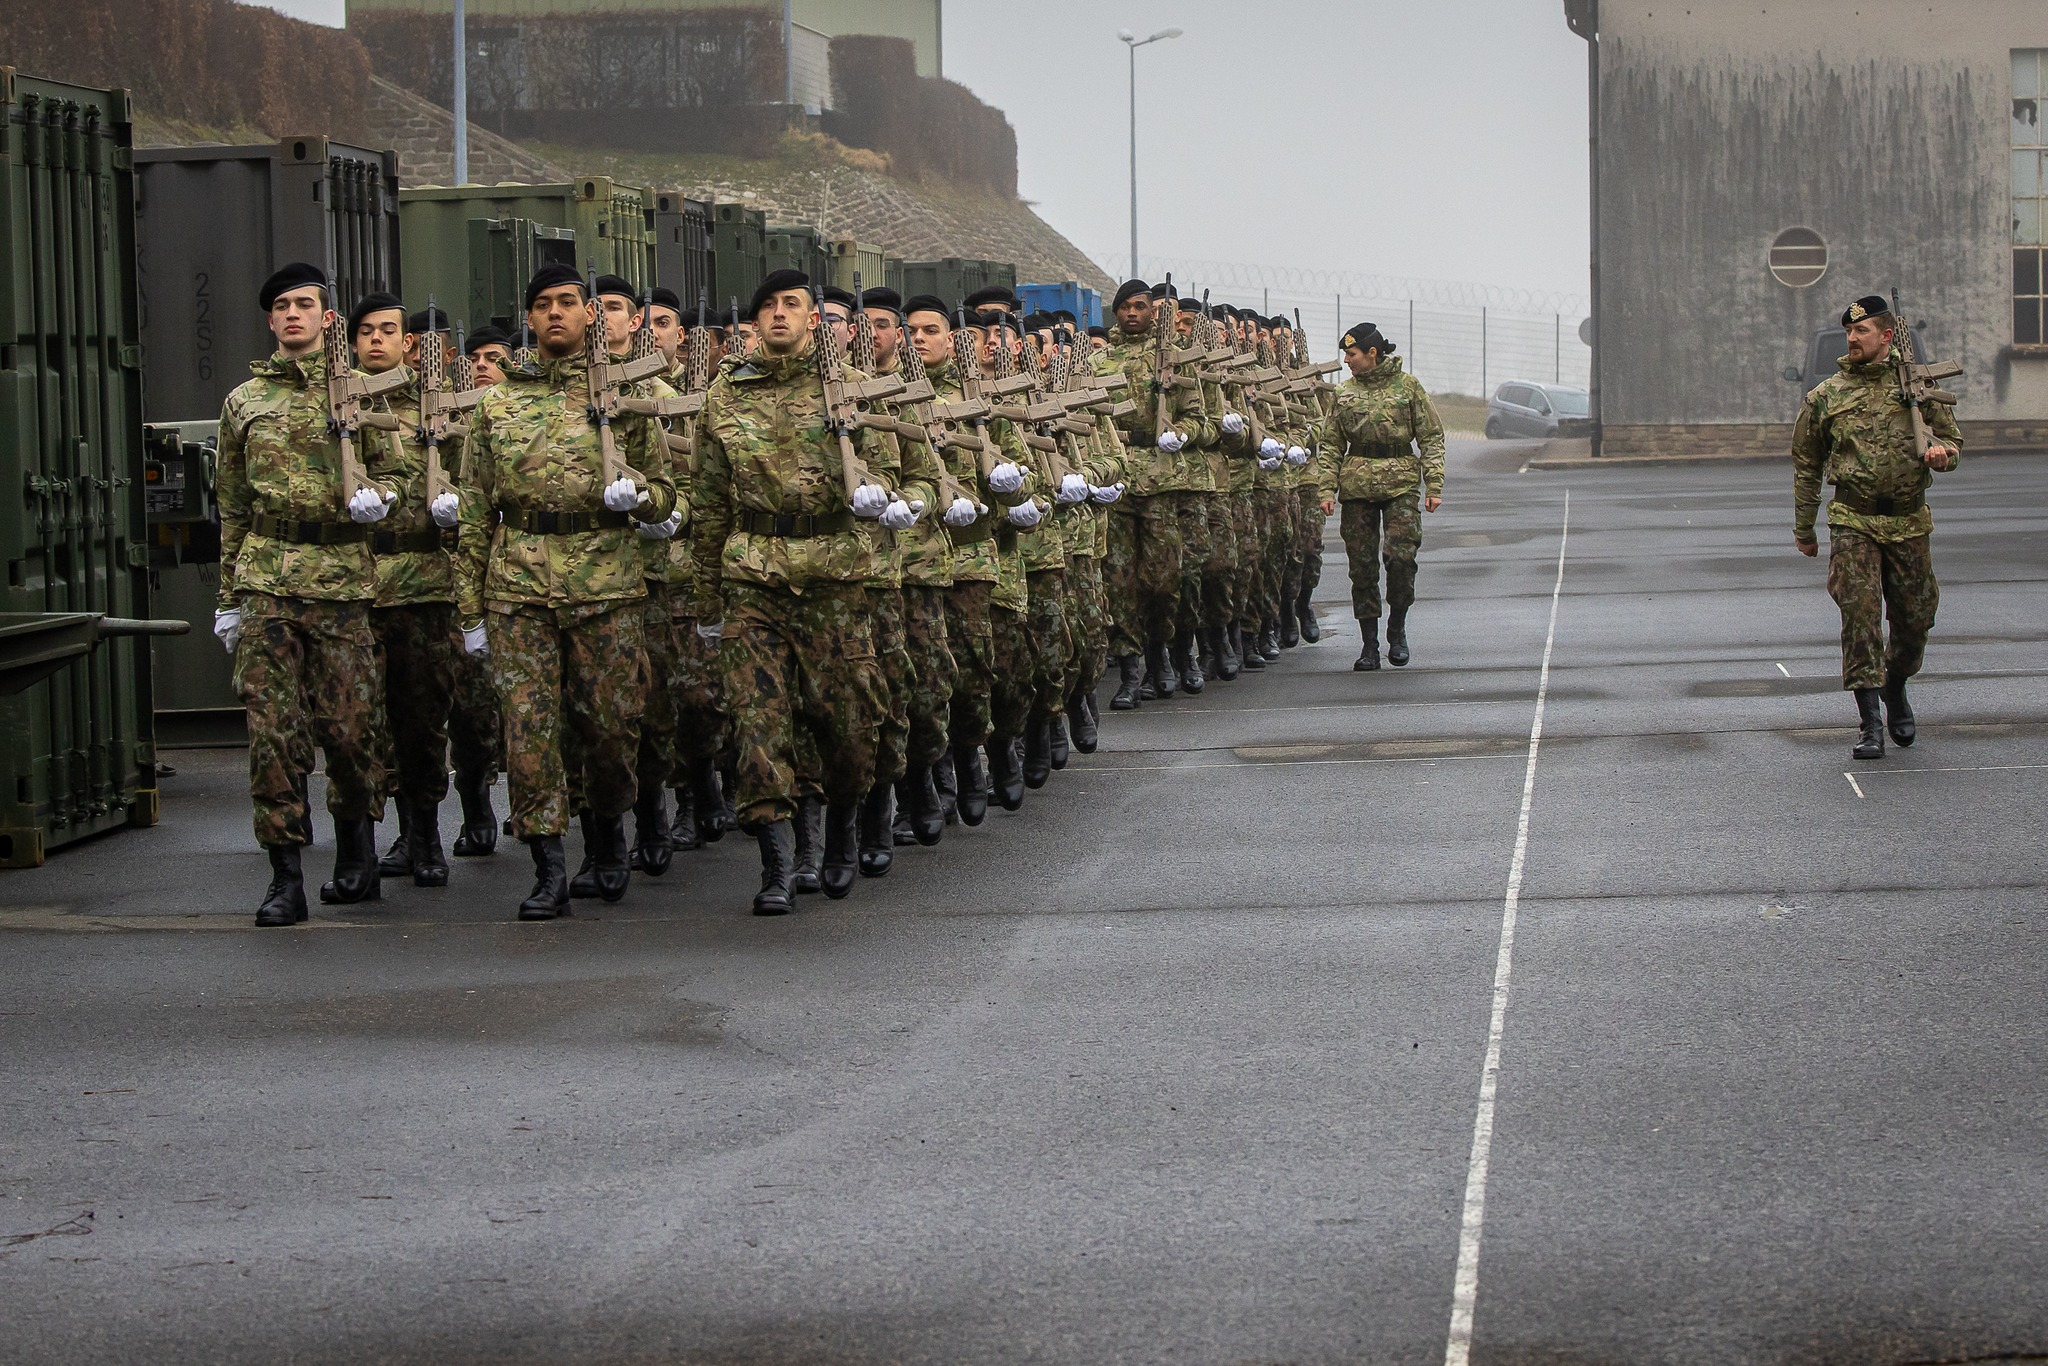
x,y
503,255
683,259
77,750
739,246
952,278
613,232
793,247
846,259
892,274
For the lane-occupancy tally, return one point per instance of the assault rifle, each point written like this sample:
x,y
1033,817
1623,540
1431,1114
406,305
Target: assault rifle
x,y
346,390
1167,359
607,380
523,355
909,389
1919,381
1033,414
980,392
919,400
669,405
843,398
443,395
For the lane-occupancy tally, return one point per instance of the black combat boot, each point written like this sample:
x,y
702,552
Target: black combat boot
x,y
683,833
901,832
970,777
285,902
1006,771
1130,679
479,834
397,860
1898,712
1205,652
810,844
1167,675
550,895
1229,663
920,801
1290,631
1397,636
1062,744
1269,640
877,849
423,835
1870,742
1187,660
713,801
614,861
1305,614
1037,753
1369,656
842,849
1081,723
652,833
583,885
355,864
778,868
1249,660
948,785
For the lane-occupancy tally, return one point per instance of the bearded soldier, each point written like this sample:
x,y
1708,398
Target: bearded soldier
x,y
1857,432
296,587
550,580
1380,452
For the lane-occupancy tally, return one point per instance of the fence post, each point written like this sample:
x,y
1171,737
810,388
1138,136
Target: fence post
x,y
1340,322
1482,353
1411,336
1557,376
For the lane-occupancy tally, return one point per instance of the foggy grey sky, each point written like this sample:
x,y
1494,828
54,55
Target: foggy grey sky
x,y
1445,140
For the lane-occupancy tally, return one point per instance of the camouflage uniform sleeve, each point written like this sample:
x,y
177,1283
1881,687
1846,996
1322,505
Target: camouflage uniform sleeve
x,y
1429,436
1202,421
711,501
1941,424
476,488
647,452
920,472
1809,460
1326,442
233,493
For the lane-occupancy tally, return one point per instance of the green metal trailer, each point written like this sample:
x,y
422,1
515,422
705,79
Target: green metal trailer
x,y
739,249
609,224
78,748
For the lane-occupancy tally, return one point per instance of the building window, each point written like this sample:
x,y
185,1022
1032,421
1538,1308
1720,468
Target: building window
x,y
1799,258
2029,197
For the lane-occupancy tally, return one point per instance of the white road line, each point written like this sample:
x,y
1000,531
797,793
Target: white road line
x,y
1979,768
1465,1287
1785,671
1854,786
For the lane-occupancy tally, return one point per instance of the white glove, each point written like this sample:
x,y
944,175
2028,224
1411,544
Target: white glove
x,y
1171,441
1271,447
1073,489
1233,423
369,506
446,510
1269,462
1107,494
901,516
1297,456
869,500
661,531
474,641
710,632
961,513
228,626
623,495
1005,478
1026,514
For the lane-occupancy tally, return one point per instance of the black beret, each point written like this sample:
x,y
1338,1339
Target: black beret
x,y
1165,292
664,297
376,301
1128,290
843,297
775,284
1061,315
297,275
617,284
486,335
1368,337
1038,322
553,275
994,294
927,303
882,297
1869,306
430,319
1101,332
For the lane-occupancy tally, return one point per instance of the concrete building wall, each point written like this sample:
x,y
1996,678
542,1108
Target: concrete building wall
x,y
1883,125
921,21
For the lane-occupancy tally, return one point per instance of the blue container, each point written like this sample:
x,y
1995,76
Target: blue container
x,y
1083,303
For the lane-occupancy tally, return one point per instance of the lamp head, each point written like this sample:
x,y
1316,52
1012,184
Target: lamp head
x,y
1127,35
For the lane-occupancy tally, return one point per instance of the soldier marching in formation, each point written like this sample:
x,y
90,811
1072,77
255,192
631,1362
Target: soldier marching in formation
x,y
837,579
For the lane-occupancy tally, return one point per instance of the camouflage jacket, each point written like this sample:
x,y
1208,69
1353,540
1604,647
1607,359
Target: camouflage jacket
x,y
974,555
921,555
1306,412
1367,443
277,458
1154,470
533,448
398,461
763,447
1103,462
1854,431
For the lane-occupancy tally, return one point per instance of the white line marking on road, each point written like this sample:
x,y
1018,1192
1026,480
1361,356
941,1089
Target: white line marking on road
x,y
1979,768
1785,671
1854,786
1465,1287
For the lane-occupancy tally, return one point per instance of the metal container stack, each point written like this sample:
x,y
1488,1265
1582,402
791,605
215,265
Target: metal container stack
x,y
683,258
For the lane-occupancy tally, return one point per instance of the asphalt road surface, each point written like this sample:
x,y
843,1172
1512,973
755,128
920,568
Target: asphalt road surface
x,y
1181,1064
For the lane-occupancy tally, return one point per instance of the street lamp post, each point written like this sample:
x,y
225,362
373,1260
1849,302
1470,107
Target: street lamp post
x,y
1133,42
461,98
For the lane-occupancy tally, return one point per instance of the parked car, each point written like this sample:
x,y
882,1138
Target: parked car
x,y
1526,408
1829,345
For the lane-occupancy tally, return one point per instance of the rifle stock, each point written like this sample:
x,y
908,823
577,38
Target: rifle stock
x,y
346,391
